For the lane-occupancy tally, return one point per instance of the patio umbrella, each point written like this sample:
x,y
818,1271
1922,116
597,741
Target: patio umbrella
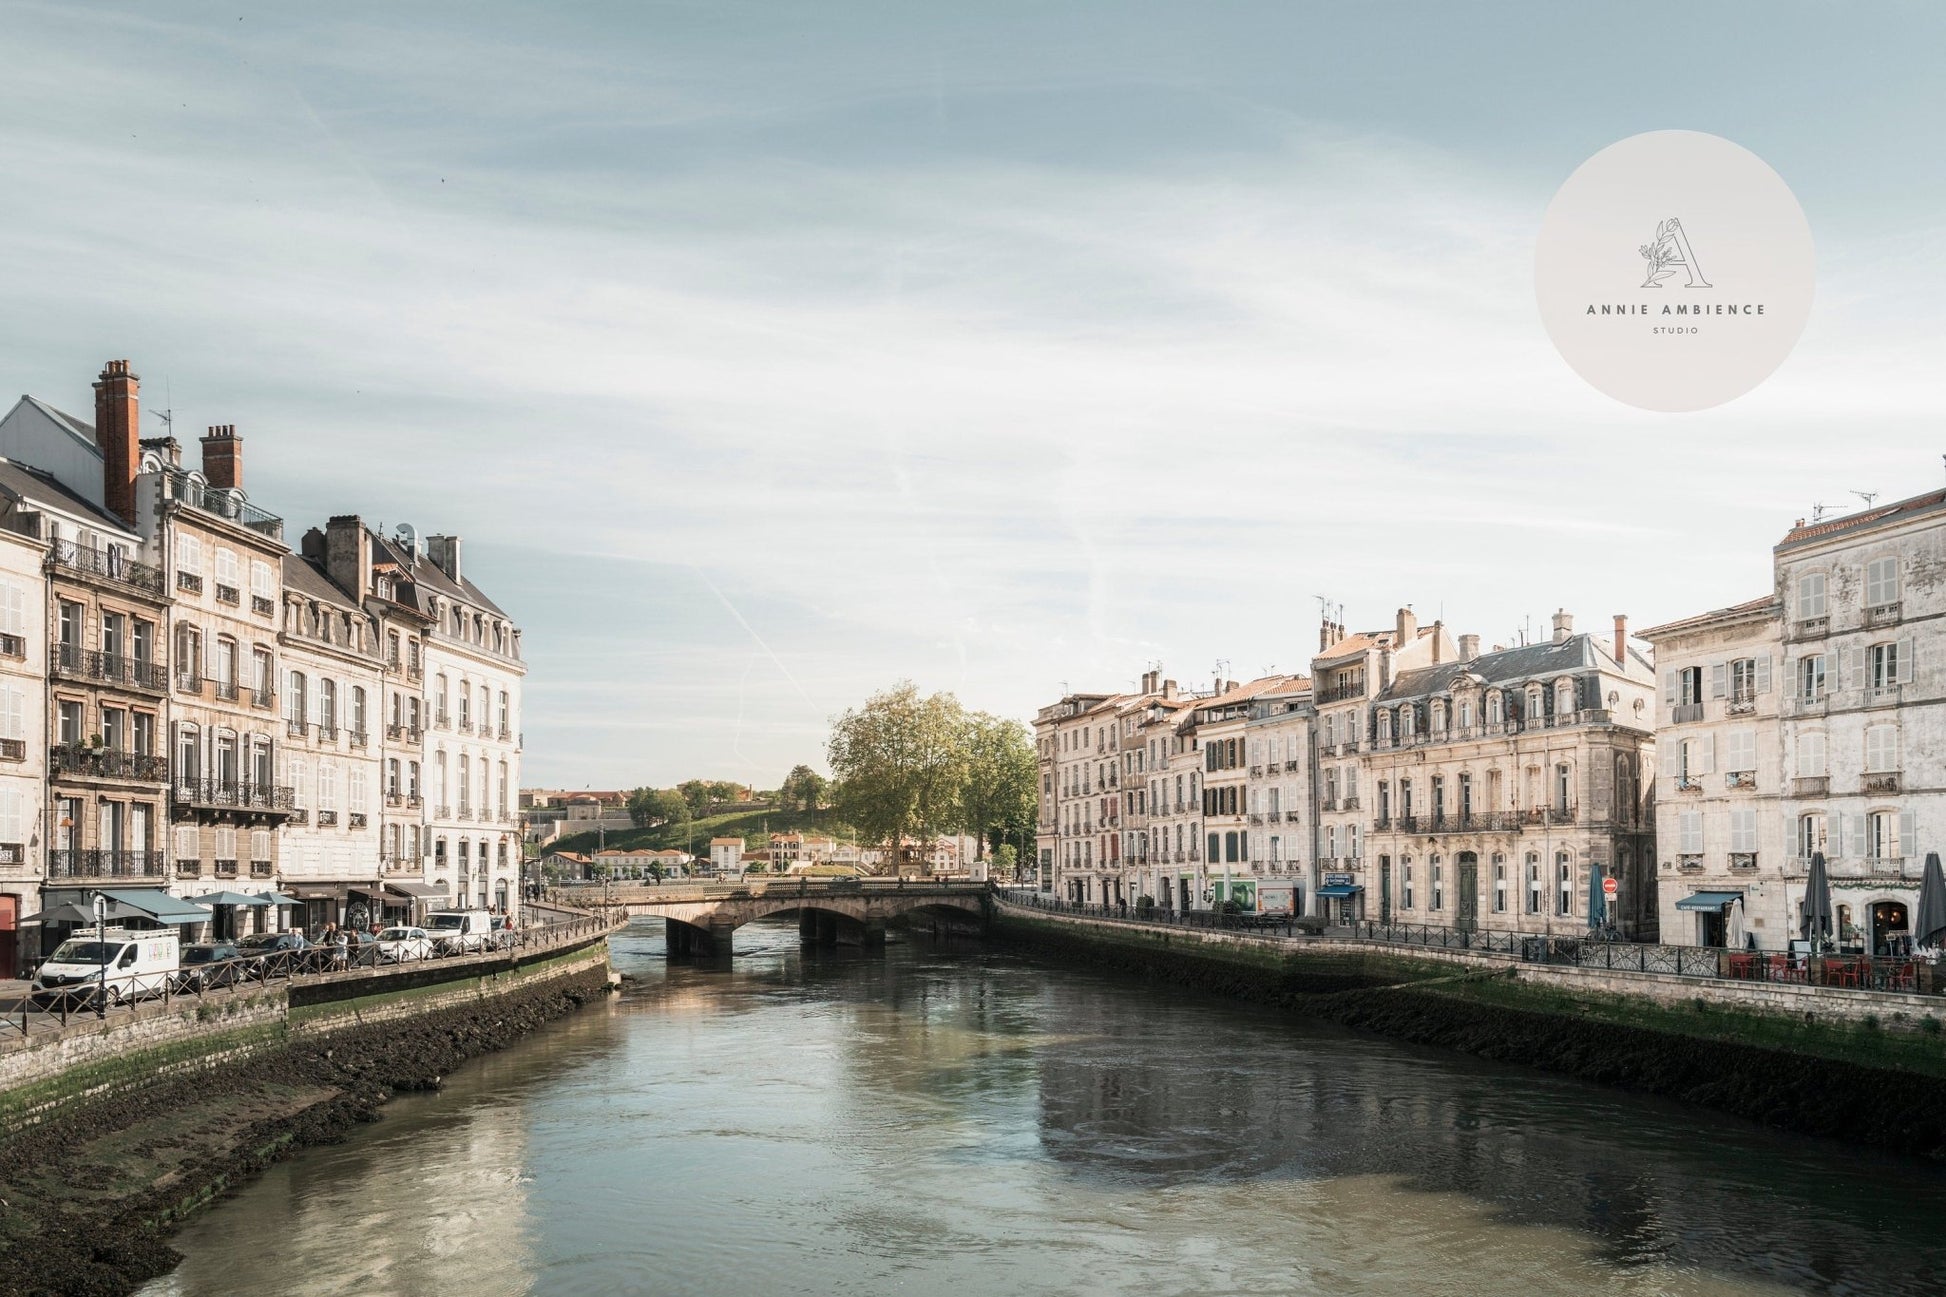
x,y
1817,900
1733,937
1597,903
1929,921
228,898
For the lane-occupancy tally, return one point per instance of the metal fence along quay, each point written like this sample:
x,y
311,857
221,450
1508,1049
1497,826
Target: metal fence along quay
x,y
316,963
1587,951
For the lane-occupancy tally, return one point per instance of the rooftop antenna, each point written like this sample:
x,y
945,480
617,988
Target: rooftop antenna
x,y
1819,510
1330,612
1867,497
168,411
1222,668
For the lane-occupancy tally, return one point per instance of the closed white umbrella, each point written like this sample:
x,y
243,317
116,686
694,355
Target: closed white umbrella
x,y
1734,936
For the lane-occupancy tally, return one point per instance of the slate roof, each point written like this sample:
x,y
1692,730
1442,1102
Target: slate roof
x,y
309,579
1577,653
80,429
26,482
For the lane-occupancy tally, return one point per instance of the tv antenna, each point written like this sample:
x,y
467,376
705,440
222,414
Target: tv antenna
x,y
168,411
1819,510
1329,611
1867,497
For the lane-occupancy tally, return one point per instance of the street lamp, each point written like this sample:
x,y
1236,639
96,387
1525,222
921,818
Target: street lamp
x,y
101,952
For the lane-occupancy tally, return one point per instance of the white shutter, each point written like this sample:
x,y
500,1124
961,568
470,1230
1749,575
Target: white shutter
x,y
1855,838
1667,753
1719,679
1707,753
1743,830
1835,836
186,843
10,816
1669,686
1905,647
15,611
1763,674
1908,834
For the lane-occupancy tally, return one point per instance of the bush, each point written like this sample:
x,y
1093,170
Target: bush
x,y
1929,1025
1230,908
1144,906
1309,923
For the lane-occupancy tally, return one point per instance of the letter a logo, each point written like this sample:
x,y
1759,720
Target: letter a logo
x,y
1671,249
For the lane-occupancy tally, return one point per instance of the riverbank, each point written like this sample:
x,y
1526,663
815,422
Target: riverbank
x,y
1846,1079
101,1161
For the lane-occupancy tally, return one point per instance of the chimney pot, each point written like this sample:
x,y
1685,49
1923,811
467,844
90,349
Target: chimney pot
x,y
223,457
1469,647
1563,625
1621,640
1407,627
118,431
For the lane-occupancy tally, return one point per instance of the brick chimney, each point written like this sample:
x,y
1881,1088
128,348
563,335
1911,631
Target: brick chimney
x,y
1438,634
1469,647
223,457
1563,625
118,431
348,554
1621,640
1408,629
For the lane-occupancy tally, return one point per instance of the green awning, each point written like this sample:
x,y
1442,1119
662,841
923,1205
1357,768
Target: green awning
x,y
277,898
1708,900
228,898
1339,891
157,905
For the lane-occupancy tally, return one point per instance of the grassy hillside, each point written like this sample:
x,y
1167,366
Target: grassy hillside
x,y
751,826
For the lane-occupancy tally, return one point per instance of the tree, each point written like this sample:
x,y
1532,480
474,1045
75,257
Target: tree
x,y
649,807
695,794
1005,860
641,807
900,761
998,795
802,789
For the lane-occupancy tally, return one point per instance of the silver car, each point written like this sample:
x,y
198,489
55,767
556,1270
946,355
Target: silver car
x,y
398,945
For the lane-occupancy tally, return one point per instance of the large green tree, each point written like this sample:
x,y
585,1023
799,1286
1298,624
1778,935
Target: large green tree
x,y
900,763
802,789
997,790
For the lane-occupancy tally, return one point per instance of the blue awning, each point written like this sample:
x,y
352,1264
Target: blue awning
x,y
1708,900
1339,891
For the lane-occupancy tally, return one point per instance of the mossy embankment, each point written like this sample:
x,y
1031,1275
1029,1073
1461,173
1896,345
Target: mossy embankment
x,y
1861,1083
90,1191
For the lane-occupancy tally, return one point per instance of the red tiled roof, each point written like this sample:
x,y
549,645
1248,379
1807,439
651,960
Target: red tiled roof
x,y
1867,518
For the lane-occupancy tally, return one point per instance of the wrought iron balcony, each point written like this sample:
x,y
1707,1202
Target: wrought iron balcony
x,y
231,795
95,863
228,505
108,565
13,749
262,869
264,698
327,819
357,819
226,868
188,867
226,691
228,594
296,728
263,607
106,763
189,582
12,646
358,738
73,662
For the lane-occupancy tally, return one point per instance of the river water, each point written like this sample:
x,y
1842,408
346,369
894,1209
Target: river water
x,y
943,1119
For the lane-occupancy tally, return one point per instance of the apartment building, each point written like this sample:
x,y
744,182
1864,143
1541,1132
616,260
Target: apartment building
x,y
1510,785
1232,859
23,710
103,613
1722,792
1073,736
333,751
1172,796
224,556
1279,734
1811,722
1348,673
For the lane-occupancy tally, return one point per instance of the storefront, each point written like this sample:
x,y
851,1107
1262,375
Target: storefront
x,y
1712,915
1340,900
409,902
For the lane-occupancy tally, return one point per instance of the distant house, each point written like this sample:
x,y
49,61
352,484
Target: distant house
x,y
640,862
726,855
567,864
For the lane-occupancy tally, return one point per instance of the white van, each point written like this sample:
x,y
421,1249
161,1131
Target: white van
x,y
457,931
136,965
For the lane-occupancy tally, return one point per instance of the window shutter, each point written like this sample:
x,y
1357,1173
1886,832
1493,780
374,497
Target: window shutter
x,y
1905,647
1666,755
1855,838
1719,679
1707,750
1669,686
1835,839
1908,844
1763,674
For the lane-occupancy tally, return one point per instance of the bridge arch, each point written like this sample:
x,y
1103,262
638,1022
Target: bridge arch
x,y
703,923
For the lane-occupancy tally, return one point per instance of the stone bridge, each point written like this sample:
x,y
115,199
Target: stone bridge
x,y
829,913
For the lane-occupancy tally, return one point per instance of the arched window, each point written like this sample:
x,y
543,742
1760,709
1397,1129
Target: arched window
x,y
1564,697
1494,713
1405,721
1438,715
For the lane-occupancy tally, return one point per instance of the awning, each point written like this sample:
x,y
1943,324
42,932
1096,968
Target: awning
x,y
1708,900
1339,891
157,905
277,898
418,891
228,898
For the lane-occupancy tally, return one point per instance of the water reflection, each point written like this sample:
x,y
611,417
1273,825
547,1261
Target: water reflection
x,y
941,1119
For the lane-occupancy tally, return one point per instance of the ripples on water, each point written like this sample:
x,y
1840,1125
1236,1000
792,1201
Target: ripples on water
x,y
944,1120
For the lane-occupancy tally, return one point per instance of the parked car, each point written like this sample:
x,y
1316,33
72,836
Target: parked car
x,y
460,931
118,966
397,945
258,951
505,935
210,964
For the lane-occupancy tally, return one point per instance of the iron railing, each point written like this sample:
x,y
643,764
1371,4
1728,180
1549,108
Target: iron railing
x,y
108,563
228,794
64,862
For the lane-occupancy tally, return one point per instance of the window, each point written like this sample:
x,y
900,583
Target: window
x,y
1741,751
1743,680
297,702
1438,884
1564,878
1810,678
68,722
1810,596
327,705
1743,831
1493,708
114,729
1533,883
114,634
1884,660
1689,686
1499,885
189,554
1810,755
1882,749
1563,788
465,706
1405,881
1810,834
506,722
189,654
1405,721
263,583
1882,835
226,567
358,710
143,734
327,786
1689,833
260,845
1881,582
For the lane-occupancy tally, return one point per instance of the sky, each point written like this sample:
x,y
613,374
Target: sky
x,y
768,354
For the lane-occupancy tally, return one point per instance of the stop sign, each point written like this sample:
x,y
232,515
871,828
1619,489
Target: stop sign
x,y
1610,886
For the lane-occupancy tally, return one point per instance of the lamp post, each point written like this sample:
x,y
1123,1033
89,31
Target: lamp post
x,y
101,953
